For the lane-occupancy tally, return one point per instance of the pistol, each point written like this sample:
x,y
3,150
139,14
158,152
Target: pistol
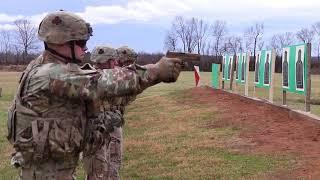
x,y
185,57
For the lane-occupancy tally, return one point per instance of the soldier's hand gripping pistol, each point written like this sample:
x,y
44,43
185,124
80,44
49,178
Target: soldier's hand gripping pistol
x,y
185,57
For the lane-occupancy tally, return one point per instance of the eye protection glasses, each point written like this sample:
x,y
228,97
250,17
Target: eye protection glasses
x,y
81,43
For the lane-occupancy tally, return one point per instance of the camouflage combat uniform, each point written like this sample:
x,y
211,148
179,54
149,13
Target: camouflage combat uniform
x,y
102,56
125,57
48,118
96,159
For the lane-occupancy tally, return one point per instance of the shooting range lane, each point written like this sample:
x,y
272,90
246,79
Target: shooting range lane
x,y
265,129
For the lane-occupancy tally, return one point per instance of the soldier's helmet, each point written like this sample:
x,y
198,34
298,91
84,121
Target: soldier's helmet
x,y
126,56
61,26
103,54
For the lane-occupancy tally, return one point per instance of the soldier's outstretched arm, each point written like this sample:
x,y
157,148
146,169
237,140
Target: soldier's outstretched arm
x,y
76,83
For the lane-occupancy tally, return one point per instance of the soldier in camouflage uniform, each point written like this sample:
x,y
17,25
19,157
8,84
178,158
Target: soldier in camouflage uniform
x,y
108,57
126,57
48,118
96,159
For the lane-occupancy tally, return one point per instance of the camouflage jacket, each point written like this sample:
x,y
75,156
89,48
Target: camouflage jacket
x,y
111,103
48,116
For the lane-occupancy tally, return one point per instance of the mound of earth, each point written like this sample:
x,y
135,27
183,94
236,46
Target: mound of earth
x,y
266,129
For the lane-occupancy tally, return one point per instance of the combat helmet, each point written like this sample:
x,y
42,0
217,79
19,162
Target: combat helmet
x,y
126,56
61,27
64,27
103,54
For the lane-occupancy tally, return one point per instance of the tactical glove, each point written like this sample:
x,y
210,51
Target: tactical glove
x,y
166,70
113,119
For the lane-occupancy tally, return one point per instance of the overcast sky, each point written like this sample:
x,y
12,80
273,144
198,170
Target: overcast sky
x,y
142,24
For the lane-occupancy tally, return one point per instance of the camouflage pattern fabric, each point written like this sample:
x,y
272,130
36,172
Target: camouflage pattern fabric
x,y
61,27
96,165
49,170
126,56
114,153
48,124
113,147
102,54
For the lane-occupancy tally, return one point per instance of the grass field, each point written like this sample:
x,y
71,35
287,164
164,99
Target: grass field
x,y
164,138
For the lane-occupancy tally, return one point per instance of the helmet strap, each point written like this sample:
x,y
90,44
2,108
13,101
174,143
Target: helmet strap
x,y
56,53
73,59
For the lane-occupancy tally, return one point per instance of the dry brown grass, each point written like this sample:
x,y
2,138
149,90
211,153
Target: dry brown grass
x,y
165,137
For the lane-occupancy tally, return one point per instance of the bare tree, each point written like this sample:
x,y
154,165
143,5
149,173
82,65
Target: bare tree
x,y
201,29
5,43
186,32
306,35
203,48
208,49
275,43
171,41
234,44
219,31
191,41
316,29
26,36
279,41
180,28
253,35
17,52
260,45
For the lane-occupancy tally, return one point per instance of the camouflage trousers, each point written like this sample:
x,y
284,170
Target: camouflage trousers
x,y
96,165
105,163
114,153
49,170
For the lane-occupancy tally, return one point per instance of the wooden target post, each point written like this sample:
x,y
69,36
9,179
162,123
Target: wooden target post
x,y
246,86
308,85
232,61
273,64
223,71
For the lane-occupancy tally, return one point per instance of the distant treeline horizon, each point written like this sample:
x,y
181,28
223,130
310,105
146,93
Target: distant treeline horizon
x,y
147,58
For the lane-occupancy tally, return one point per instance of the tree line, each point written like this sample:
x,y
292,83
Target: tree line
x,y
21,45
192,35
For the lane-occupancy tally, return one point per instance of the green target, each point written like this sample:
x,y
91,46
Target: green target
x,y
294,68
263,64
227,67
241,68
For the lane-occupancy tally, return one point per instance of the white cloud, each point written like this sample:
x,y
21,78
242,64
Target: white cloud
x,y
233,11
5,18
138,10
7,27
284,4
36,19
7,21
158,11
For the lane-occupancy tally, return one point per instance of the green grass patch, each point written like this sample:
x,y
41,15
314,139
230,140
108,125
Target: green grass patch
x,y
165,136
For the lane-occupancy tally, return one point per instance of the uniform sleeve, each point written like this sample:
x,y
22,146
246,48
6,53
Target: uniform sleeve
x,y
106,83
